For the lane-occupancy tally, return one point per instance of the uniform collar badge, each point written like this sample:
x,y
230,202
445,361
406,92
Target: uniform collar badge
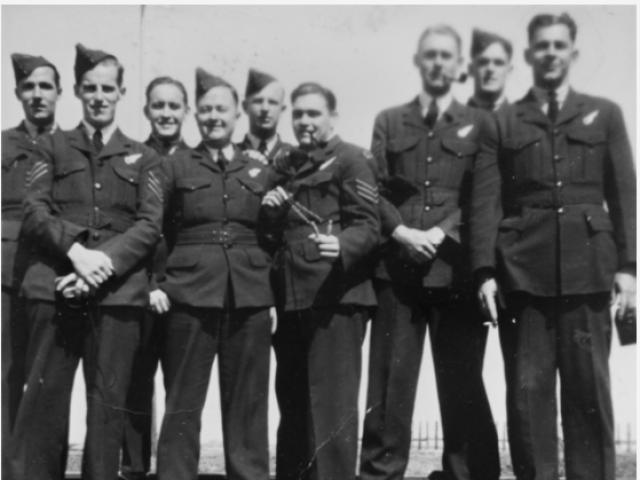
x,y
464,131
131,159
588,120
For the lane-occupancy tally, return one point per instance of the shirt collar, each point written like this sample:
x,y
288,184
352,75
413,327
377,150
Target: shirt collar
x,y
255,141
228,152
32,129
107,132
542,96
479,103
443,102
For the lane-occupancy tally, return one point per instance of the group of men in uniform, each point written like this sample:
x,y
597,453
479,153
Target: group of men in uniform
x,y
519,215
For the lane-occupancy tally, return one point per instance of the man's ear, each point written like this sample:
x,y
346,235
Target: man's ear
x,y
123,90
416,60
245,106
76,91
575,55
17,92
145,110
471,69
528,56
284,107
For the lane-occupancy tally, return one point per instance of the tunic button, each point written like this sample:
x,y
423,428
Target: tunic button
x,y
427,183
556,131
225,197
225,220
98,186
430,135
227,245
426,209
100,163
556,157
96,236
96,209
561,210
559,184
131,180
429,159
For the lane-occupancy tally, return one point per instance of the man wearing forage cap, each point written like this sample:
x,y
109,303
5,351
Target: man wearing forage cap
x,y
490,68
38,89
93,213
263,104
216,286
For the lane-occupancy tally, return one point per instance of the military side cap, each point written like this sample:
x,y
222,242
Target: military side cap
x,y
257,81
87,59
24,65
205,82
481,40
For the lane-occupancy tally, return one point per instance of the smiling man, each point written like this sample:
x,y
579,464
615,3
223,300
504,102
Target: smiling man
x,y
38,89
545,247
263,104
425,151
490,68
93,213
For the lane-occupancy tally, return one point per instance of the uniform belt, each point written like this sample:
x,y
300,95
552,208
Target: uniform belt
x,y
220,237
558,197
107,219
12,212
434,198
301,232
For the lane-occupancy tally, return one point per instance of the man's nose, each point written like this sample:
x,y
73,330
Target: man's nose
x,y
166,112
37,92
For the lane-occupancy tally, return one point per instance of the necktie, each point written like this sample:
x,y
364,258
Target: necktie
x,y
222,160
552,113
432,115
97,141
262,148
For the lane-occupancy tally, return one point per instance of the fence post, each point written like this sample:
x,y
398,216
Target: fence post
x,y
628,438
436,436
419,435
426,438
504,436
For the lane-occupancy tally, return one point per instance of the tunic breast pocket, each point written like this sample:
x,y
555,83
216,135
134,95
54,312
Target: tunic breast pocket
x,y
317,188
523,157
194,197
586,150
401,155
252,193
70,181
459,158
125,190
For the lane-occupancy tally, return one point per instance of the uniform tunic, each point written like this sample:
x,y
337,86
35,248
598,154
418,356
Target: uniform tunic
x,y
426,177
217,279
322,309
109,201
539,219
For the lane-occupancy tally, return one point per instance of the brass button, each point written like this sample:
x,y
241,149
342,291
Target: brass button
x,y
98,186
427,183
429,159
131,180
225,197
96,209
96,236
426,209
561,210
556,157
225,220
559,184
430,135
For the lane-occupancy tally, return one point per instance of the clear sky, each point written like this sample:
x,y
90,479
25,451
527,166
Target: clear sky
x,y
362,52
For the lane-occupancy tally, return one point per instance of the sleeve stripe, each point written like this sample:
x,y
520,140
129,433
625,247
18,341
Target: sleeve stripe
x,y
369,197
37,169
366,186
35,177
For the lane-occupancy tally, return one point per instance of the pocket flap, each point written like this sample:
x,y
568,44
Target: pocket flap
x,y
254,187
66,167
401,184
257,257
599,221
127,173
193,183
318,178
513,223
459,148
586,136
397,145
521,141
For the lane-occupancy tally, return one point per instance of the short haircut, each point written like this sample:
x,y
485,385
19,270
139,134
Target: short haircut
x,y
107,61
309,88
546,20
441,30
166,81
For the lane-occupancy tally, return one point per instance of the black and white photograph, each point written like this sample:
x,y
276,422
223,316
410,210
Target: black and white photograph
x,y
319,242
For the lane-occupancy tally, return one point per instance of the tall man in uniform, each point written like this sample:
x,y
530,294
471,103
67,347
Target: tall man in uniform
x,y
425,151
541,234
93,212
490,68
327,203
263,104
38,89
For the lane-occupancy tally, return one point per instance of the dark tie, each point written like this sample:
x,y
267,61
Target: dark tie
x,y
432,115
552,113
263,148
222,160
97,141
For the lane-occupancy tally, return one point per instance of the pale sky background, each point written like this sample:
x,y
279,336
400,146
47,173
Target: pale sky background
x,y
363,53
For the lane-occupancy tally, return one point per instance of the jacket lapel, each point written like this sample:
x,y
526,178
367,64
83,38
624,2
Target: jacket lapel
x,y
206,159
78,139
452,117
572,107
529,111
412,115
238,162
118,145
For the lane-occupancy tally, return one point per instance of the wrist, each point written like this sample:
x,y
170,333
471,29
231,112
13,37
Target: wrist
x,y
74,251
399,232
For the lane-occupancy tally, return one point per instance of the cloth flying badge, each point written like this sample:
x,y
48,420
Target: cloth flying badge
x,y
327,163
254,172
131,159
464,131
588,120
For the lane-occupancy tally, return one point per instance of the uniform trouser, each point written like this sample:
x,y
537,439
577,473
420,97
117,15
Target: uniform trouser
x,y
570,335
14,350
458,340
317,380
105,338
136,446
242,339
